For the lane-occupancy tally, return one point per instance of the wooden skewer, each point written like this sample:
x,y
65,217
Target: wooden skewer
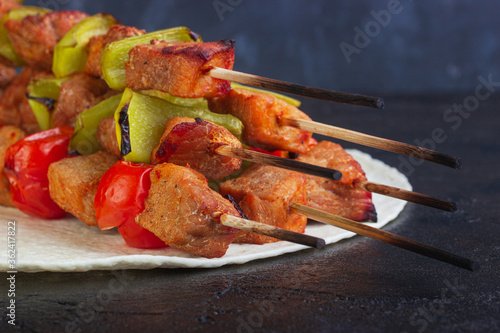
x,y
373,141
384,236
297,89
285,163
407,195
261,158
272,231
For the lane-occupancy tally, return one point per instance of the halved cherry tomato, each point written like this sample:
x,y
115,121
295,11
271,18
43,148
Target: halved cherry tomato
x,y
26,165
120,198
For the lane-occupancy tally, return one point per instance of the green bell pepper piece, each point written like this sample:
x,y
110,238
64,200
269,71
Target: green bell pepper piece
x,y
142,121
42,96
6,48
84,139
289,100
71,54
115,54
192,102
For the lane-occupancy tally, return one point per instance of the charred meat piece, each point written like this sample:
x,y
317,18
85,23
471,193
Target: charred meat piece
x,y
265,193
14,107
73,183
35,36
76,95
7,74
194,143
260,114
338,197
98,43
8,136
180,210
180,68
106,135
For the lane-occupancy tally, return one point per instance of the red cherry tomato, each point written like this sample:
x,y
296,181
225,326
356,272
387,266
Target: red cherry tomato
x,y
26,165
120,198
138,237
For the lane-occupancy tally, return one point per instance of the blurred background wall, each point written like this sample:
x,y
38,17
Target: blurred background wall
x,y
365,46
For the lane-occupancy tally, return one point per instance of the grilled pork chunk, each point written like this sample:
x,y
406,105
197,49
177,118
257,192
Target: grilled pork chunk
x,y
35,36
180,210
73,183
106,135
194,142
265,193
260,114
179,68
78,94
7,74
8,136
98,43
14,106
338,197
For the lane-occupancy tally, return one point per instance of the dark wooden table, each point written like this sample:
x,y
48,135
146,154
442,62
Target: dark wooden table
x,y
357,285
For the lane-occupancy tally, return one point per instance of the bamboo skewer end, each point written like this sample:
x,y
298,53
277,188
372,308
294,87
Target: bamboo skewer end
x,y
269,230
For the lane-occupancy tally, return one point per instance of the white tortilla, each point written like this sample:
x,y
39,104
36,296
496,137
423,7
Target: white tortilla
x,y
68,245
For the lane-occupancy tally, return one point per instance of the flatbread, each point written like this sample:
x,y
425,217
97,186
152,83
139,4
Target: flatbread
x,y
68,245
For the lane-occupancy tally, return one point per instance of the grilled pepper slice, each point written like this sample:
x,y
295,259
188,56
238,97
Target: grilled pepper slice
x,y
142,121
115,55
192,102
42,96
84,139
70,54
6,48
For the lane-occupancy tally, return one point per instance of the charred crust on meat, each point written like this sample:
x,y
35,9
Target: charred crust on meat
x,y
227,42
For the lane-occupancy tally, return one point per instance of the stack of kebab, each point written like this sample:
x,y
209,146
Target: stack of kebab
x,y
180,207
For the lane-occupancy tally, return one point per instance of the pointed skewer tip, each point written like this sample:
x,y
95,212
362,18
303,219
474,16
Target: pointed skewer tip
x,y
336,175
380,104
474,267
320,243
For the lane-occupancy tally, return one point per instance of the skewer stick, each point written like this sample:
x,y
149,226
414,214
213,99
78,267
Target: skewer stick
x,y
297,89
311,169
373,141
384,236
407,195
269,230
285,163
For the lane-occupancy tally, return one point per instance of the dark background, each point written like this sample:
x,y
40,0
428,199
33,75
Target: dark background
x,y
425,61
425,46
